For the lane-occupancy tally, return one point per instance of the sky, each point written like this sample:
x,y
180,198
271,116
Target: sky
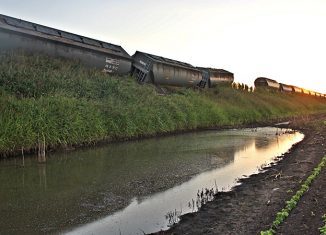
x,y
283,40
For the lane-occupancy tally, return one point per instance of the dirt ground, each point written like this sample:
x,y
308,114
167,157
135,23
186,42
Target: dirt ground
x,y
252,206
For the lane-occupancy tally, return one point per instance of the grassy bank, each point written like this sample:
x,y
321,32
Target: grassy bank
x,y
67,104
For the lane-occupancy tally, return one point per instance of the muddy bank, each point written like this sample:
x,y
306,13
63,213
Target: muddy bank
x,y
252,206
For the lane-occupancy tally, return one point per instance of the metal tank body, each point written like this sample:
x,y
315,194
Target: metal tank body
x,y
263,82
286,88
305,91
164,71
297,89
318,94
217,76
25,37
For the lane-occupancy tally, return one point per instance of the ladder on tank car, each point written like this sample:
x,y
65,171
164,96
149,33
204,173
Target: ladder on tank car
x,y
141,75
204,81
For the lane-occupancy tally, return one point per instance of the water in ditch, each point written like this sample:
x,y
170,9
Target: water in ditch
x,y
132,187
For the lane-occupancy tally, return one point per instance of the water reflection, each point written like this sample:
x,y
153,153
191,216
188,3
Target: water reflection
x,y
42,176
138,184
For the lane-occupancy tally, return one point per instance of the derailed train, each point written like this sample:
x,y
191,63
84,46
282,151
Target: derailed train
x,y
270,84
28,37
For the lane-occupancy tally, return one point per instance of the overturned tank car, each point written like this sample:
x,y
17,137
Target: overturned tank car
x,y
164,71
213,77
25,37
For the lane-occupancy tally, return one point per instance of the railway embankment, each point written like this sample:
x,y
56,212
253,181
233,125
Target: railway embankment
x,y
58,104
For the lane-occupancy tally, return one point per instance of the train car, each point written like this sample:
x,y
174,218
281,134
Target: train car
x,y
266,83
25,37
213,77
305,91
164,71
286,88
297,89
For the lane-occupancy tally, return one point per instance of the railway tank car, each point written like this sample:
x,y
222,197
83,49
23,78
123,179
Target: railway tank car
x,y
286,88
164,71
297,89
213,77
266,83
305,92
270,84
23,36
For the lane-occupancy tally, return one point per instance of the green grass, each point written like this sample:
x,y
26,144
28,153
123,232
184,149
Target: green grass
x,y
323,229
72,105
292,203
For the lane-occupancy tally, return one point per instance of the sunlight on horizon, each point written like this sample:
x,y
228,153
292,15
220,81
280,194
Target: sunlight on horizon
x,y
282,40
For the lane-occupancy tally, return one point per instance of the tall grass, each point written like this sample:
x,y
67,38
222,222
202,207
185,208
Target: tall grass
x,y
72,105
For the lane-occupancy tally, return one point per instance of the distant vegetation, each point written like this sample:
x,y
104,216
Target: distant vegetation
x,y
67,104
